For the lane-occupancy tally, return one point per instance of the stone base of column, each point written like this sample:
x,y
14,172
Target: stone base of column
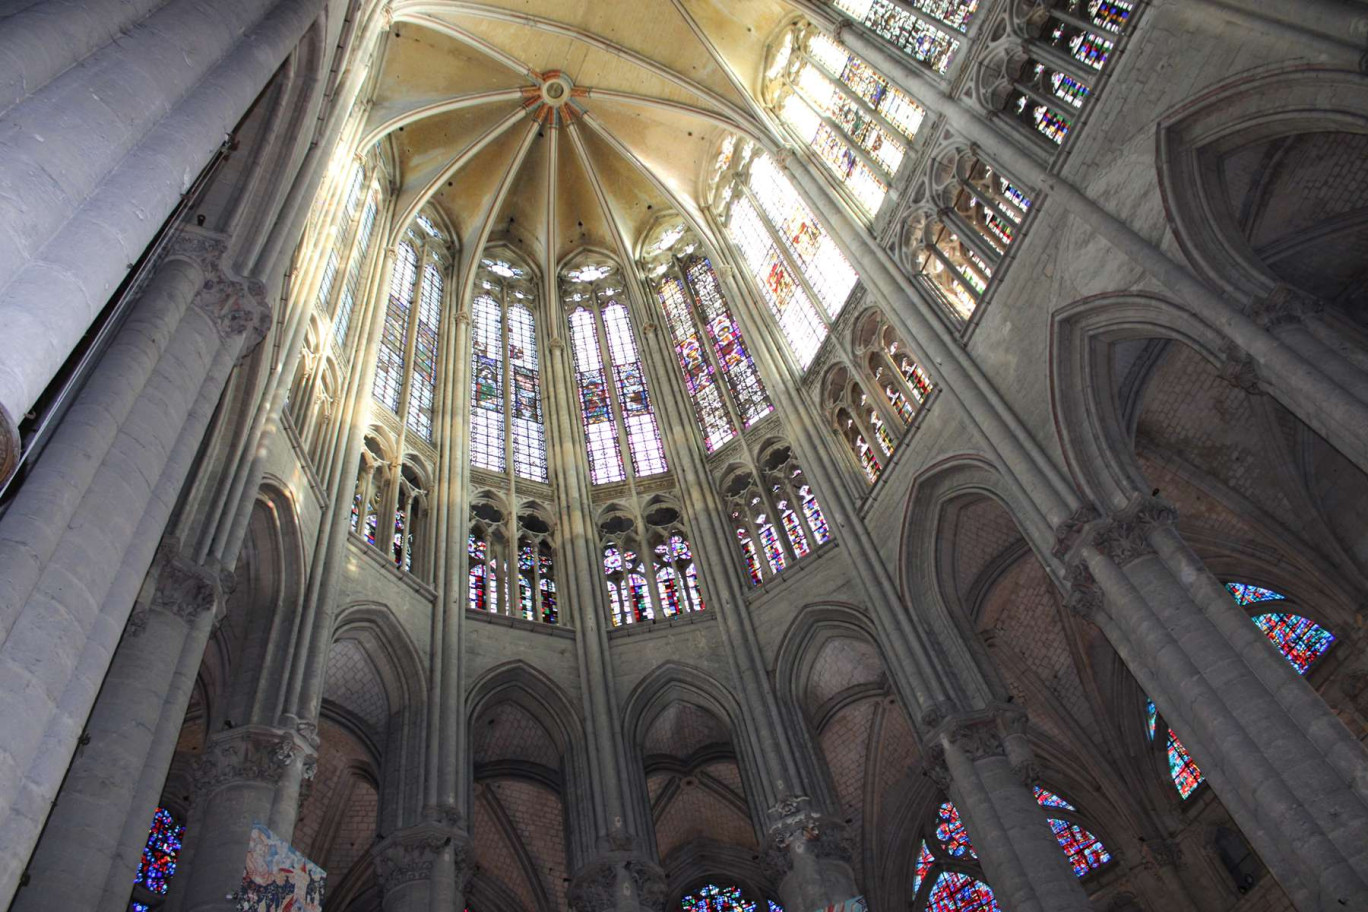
x,y
618,882
808,856
424,868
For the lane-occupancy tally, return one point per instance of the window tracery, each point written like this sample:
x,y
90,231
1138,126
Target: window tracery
x,y
391,505
714,898
406,369
799,270
836,105
957,250
616,408
722,380
649,568
506,409
774,514
511,562
1068,44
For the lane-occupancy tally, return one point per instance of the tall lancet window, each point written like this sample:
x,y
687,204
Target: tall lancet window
x,y
801,273
506,412
406,369
620,425
855,123
722,380
928,31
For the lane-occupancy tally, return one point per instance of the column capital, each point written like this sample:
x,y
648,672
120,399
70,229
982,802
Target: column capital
x,y
1069,532
183,589
237,305
253,753
799,830
595,886
411,855
1284,306
998,731
1082,595
1124,536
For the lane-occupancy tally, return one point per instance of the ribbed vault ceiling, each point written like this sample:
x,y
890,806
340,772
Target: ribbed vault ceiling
x,y
554,124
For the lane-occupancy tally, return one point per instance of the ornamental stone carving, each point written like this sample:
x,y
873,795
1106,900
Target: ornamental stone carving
x,y
804,833
1082,594
1237,370
183,589
594,888
411,856
238,306
251,754
1284,306
649,882
979,736
1070,531
1125,538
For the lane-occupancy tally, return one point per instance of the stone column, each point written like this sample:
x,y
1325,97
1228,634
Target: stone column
x,y
76,543
246,776
808,856
101,802
425,868
617,882
128,130
1291,775
983,761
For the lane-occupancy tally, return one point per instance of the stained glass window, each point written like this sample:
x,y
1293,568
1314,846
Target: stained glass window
x,y
788,301
341,236
424,385
1084,850
351,287
1049,799
389,366
478,596
1299,639
924,861
956,892
954,838
817,254
1186,776
550,611
614,390
885,99
712,898
920,36
160,853
487,402
710,348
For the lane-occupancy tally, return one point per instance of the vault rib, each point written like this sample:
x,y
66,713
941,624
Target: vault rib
x,y
378,129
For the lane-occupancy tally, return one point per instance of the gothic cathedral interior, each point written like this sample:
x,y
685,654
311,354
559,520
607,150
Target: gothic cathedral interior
x,y
606,456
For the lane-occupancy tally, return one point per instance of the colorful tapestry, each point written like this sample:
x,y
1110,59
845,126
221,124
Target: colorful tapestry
x,y
277,877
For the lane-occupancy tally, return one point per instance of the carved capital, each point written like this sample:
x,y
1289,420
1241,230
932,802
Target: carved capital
x,y
1284,306
1125,537
596,885
412,855
251,754
803,832
979,736
183,589
838,30
238,306
1082,594
1237,370
1070,531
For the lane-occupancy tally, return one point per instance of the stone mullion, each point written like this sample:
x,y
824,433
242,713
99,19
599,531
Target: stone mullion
x,y
867,428
875,390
